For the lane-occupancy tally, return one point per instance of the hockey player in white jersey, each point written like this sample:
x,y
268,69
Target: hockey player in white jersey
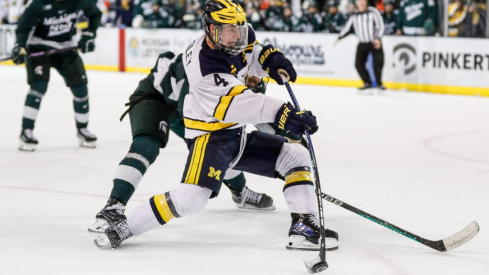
x,y
216,111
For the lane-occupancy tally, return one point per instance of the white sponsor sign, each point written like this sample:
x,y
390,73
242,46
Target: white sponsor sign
x,y
437,61
416,60
144,45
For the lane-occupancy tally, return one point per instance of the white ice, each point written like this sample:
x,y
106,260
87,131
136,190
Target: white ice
x,y
418,160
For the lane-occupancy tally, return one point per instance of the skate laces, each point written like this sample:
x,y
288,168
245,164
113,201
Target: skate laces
x,y
312,220
250,196
115,205
119,208
123,230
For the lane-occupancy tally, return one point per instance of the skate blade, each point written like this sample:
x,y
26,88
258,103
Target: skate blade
x,y
310,248
97,229
87,144
300,243
98,226
251,207
28,147
102,242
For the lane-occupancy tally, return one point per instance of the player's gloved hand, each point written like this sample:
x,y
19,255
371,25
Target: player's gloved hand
x,y
87,42
291,119
18,54
276,64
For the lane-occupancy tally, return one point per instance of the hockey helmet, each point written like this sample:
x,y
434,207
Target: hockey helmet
x,y
230,28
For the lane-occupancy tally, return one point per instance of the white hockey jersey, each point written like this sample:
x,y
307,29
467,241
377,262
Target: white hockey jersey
x,y
218,98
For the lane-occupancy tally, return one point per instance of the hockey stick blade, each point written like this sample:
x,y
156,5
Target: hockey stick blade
x,y
443,245
316,265
461,237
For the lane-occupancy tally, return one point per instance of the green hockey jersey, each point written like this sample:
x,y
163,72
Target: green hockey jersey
x,y
417,17
53,23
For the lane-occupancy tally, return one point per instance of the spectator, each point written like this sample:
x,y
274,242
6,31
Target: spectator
x,y
311,21
158,18
333,21
390,17
457,12
254,18
273,13
10,10
192,19
3,11
123,12
417,17
475,21
287,22
350,9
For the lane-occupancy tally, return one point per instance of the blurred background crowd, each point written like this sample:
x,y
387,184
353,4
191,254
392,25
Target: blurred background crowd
x,y
464,18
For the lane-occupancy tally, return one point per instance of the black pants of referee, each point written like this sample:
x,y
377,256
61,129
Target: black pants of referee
x,y
363,49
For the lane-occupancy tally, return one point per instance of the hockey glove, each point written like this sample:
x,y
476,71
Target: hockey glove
x,y
86,43
18,54
275,63
289,118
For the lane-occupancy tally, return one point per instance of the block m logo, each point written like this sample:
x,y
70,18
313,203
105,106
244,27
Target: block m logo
x,y
213,173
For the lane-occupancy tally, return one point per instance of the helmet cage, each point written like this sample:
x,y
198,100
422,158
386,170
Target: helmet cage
x,y
230,28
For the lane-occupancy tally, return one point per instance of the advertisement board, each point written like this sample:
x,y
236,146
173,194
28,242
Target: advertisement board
x,y
434,64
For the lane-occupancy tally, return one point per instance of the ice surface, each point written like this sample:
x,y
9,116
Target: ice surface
x,y
418,160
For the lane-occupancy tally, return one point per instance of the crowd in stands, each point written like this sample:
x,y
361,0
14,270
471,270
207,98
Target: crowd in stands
x,y
467,18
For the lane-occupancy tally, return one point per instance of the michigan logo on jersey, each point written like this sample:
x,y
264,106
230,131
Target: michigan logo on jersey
x,y
213,173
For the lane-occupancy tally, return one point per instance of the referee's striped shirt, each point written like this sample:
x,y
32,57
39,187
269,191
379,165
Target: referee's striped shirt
x,y
367,25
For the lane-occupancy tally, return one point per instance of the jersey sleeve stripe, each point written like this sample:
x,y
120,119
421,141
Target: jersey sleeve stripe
x,y
225,101
206,126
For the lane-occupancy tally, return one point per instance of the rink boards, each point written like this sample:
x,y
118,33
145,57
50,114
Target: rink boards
x,y
431,64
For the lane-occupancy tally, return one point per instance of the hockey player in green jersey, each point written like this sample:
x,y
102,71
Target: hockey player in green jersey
x,y
47,25
155,108
417,18
216,110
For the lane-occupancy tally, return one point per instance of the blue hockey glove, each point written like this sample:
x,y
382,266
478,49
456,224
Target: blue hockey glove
x,y
18,54
275,63
87,42
289,118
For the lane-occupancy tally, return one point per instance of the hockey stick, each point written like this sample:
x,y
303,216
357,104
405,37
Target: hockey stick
x,y
319,263
44,53
446,244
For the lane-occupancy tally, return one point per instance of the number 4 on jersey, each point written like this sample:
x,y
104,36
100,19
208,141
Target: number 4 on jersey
x,y
220,80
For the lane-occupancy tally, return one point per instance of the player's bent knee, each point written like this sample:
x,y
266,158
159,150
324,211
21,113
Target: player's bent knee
x,y
292,155
189,199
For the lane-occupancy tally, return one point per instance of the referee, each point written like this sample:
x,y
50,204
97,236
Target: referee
x,y
368,26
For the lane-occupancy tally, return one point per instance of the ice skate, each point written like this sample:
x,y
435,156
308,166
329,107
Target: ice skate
x,y
249,199
304,234
114,236
27,141
86,138
110,215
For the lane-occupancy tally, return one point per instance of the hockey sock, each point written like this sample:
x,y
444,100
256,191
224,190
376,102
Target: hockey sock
x,y
235,180
80,104
184,200
299,193
143,152
33,103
